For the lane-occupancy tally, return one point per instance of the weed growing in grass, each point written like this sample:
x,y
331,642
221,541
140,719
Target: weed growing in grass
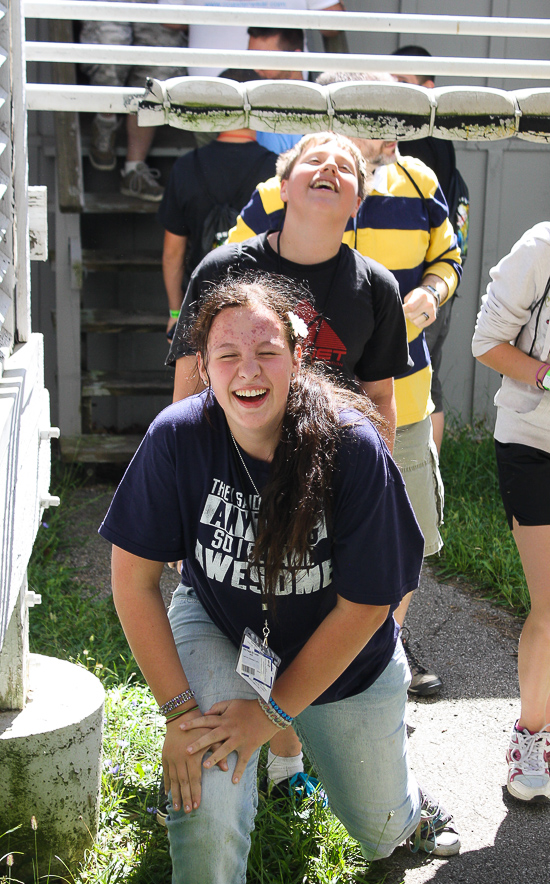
x,y
478,545
12,858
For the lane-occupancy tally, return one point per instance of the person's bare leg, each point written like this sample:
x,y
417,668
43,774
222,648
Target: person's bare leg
x,y
401,611
533,543
438,428
140,139
286,744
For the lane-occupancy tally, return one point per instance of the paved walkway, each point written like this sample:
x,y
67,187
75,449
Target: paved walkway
x,y
458,744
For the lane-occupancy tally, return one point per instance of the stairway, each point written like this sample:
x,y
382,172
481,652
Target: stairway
x,y
111,309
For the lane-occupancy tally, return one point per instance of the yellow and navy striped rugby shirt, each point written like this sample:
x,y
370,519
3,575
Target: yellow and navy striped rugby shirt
x,y
403,224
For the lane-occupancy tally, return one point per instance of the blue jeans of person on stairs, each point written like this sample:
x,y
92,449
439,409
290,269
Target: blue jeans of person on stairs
x,y
357,746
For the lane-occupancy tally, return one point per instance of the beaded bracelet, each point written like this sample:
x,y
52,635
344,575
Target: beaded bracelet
x,y
273,716
172,704
279,711
539,380
175,715
282,721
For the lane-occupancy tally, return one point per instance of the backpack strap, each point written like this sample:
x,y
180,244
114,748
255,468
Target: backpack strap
x,y
427,264
413,182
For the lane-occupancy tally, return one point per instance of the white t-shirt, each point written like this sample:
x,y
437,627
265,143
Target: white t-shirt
x,y
222,37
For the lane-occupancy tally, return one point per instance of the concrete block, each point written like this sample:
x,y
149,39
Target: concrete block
x,y
50,764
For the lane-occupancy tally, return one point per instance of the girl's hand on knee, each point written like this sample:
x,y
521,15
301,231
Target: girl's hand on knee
x,y
182,773
234,726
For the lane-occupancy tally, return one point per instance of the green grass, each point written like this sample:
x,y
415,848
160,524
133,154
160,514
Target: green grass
x,y
479,548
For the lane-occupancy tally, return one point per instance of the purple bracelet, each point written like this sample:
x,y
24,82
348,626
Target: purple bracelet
x,y
176,701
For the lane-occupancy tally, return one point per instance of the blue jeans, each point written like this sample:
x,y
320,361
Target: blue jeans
x,y
357,746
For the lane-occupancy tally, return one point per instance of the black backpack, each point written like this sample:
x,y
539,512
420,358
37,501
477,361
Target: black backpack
x,y
459,211
223,216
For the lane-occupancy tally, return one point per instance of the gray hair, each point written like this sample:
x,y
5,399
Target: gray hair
x,y
329,77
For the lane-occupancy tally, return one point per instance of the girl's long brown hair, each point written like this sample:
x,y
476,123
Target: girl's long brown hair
x,y
299,492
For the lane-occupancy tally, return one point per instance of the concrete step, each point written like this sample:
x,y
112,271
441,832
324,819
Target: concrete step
x,y
127,383
116,203
115,321
99,448
114,260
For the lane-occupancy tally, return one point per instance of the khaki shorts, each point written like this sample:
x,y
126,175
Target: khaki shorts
x,y
416,456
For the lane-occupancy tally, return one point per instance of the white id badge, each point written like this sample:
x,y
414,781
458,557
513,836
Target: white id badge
x,y
257,664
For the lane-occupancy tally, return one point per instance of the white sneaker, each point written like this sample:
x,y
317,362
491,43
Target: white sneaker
x,y
528,757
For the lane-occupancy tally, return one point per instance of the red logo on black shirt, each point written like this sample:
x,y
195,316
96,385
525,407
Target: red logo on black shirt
x,y
322,342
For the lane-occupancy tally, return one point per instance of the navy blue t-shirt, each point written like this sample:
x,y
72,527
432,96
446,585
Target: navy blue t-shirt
x,y
186,496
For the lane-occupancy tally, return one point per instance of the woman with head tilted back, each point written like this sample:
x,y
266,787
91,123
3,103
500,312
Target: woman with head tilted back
x,y
298,540
512,336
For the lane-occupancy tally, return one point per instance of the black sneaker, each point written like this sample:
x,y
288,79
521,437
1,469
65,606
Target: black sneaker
x,y
436,832
424,682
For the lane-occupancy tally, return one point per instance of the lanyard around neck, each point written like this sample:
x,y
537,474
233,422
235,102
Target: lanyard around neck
x,y
239,461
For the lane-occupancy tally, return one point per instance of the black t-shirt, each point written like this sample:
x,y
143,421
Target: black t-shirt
x,y
184,496
356,321
231,172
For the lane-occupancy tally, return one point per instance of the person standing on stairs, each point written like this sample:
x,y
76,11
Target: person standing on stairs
x,y
138,179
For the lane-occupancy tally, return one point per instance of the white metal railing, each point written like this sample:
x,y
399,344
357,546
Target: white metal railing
x,y
374,22
286,61
399,23
366,109
504,120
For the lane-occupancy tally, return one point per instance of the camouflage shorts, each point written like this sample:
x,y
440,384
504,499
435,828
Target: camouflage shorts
x,y
129,34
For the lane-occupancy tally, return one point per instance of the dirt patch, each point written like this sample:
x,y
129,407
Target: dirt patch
x,y
87,552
